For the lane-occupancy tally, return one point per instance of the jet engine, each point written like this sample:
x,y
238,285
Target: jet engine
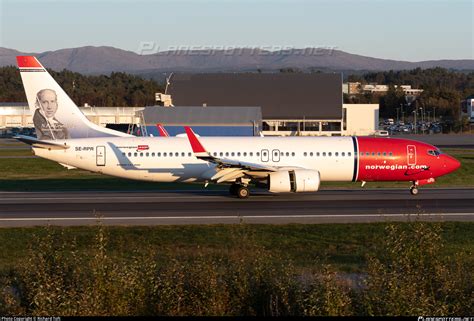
x,y
297,180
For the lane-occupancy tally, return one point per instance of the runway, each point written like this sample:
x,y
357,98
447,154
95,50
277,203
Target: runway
x,y
215,207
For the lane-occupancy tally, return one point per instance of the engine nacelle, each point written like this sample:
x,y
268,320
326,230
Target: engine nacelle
x,y
297,180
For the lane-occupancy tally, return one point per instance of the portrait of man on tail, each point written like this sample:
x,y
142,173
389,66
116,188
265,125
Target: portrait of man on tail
x,y
47,126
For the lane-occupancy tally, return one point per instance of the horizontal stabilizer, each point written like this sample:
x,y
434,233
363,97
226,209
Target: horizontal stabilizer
x,y
34,142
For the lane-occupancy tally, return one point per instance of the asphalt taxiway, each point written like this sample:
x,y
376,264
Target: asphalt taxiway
x,y
217,207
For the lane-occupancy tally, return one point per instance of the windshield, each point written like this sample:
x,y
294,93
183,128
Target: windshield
x,y
434,152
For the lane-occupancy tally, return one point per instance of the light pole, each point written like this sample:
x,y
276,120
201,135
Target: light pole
x,y
422,124
416,129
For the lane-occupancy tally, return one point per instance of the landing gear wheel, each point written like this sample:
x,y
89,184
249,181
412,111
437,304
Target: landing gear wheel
x,y
233,189
243,192
413,190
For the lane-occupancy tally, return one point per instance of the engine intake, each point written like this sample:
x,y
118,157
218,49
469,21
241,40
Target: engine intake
x,y
298,180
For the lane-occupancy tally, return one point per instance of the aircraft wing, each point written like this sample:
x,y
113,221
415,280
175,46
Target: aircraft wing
x,y
40,143
247,168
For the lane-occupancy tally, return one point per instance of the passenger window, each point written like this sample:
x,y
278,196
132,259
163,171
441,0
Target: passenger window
x,y
343,154
293,154
257,153
135,154
226,154
251,154
324,154
378,154
329,154
305,154
164,154
361,153
373,154
221,154
189,154
215,154
176,154
141,154
123,154
232,154
245,154
367,154
147,154
391,154
153,154
129,154
158,154
384,154
336,154
317,154
238,153
311,154
287,154
348,153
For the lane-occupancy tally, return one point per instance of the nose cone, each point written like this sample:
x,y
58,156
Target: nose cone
x,y
451,164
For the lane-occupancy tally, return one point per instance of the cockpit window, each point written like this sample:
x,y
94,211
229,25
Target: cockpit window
x,y
434,152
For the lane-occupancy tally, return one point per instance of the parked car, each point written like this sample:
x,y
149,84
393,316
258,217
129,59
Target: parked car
x,y
381,133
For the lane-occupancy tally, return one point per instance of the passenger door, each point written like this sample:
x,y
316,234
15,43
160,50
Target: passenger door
x,y
411,155
100,156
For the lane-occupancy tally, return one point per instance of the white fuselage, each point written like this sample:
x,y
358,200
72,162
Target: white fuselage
x,y
170,159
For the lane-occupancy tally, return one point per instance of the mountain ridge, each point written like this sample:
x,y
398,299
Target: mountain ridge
x,y
106,59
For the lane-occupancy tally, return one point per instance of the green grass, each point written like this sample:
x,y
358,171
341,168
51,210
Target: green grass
x,y
16,152
40,174
344,246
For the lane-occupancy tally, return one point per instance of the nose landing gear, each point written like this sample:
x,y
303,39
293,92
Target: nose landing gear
x,y
414,190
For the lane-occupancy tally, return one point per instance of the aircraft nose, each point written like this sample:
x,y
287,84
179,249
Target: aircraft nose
x,y
451,163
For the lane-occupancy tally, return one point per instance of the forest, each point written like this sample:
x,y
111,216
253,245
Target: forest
x,y
115,90
443,90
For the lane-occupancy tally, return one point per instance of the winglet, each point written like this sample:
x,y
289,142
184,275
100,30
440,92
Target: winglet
x,y
195,143
162,131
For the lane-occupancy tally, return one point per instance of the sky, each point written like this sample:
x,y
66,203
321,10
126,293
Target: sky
x,y
402,30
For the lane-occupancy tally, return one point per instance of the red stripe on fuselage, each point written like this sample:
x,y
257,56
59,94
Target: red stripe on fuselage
x,y
377,164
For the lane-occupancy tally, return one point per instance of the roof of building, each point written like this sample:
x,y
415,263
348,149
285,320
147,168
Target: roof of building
x,y
281,95
193,115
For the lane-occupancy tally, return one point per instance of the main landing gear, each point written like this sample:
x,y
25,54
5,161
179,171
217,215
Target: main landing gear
x,y
239,190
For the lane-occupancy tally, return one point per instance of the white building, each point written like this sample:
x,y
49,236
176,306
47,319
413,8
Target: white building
x,y
19,115
360,119
467,108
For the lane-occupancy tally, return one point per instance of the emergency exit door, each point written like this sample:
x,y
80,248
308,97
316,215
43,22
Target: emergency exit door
x,y
100,156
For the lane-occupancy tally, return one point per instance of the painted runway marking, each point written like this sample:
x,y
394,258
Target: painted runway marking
x,y
221,217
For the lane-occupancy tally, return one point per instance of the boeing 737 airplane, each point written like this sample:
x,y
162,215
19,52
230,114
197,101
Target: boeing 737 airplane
x,y
279,164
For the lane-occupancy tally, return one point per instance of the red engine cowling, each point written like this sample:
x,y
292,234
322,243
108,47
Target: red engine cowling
x,y
297,180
